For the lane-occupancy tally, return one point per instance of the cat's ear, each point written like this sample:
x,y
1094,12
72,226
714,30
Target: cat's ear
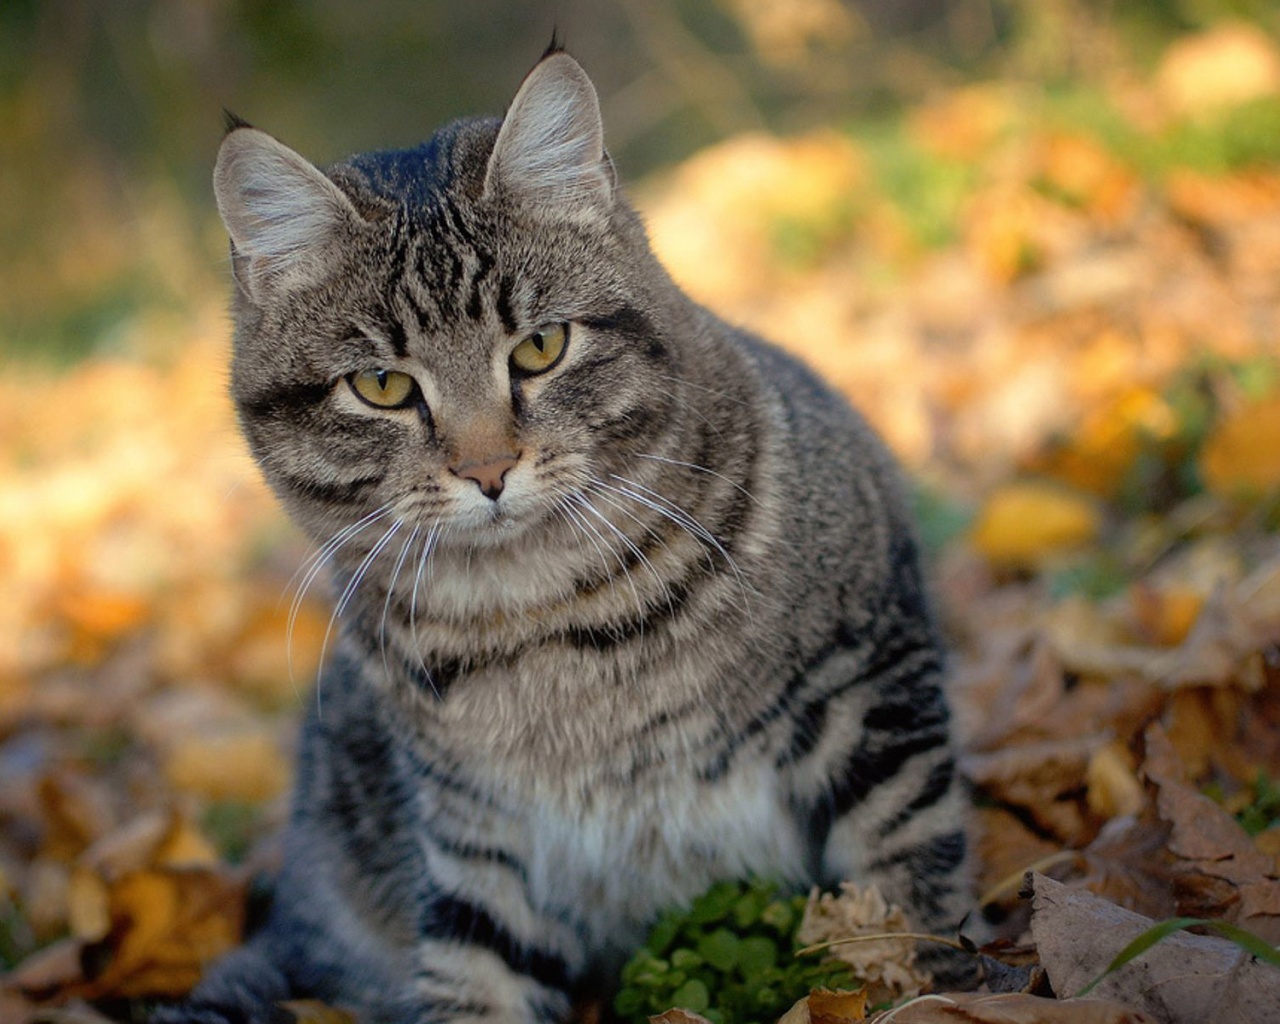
x,y
550,153
283,215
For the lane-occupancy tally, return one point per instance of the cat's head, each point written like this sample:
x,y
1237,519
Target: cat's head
x,y
457,335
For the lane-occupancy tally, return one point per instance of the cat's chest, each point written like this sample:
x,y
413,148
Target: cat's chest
x,y
625,855
598,771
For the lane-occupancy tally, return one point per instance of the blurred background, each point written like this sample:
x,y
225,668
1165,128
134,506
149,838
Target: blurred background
x,y
1037,241
112,112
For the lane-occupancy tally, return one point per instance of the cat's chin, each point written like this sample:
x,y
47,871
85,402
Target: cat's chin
x,y
495,527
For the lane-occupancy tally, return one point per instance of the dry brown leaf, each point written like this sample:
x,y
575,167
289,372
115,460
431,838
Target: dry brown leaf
x,y
1042,780
16,1009
77,1011
1184,979
679,1016
1012,1008
1130,865
312,1011
887,966
166,924
1164,615
54,969
1113,786
825,1006
77,810
1006,849
1218,870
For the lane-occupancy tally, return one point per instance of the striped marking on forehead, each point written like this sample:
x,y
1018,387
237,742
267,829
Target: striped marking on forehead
x,y
445,274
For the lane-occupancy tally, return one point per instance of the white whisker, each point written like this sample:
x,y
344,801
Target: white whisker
x,y
391,590
312,567
348,591
631,545
701,469
424,565
663,506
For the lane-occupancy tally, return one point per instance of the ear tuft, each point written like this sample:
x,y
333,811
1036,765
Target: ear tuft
x,y
550,153
282,214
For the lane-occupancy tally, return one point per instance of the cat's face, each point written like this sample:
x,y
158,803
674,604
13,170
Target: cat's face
x,y
462,337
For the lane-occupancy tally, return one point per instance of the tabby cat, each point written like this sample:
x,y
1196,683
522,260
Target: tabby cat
x,y
629,601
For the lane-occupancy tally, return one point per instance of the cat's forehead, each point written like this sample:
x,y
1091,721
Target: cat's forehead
x,y
450,163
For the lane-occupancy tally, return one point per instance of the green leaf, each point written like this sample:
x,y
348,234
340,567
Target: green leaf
x,y
780,916
756,954
684,959
749,907
720,949
714,904
693,996
629,1001
1247,941
664,932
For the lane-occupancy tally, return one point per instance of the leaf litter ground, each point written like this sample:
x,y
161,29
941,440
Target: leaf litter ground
x,y
1068,333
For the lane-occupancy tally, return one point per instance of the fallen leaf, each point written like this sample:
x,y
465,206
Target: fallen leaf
x,y
824,1006
1220,67
1041,779
312,1011
1113,787
1240,457
1184,979
1023,523
49,971
887,966
1012,1008
1218,871
166,926
243,763
1130,865
679,1016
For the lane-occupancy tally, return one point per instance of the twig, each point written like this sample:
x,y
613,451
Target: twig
x,y
918,936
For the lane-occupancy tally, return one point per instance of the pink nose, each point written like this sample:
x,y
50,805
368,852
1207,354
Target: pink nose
x,y
488,476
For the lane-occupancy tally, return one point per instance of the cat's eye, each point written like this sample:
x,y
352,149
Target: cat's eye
x,y
387,389
541,350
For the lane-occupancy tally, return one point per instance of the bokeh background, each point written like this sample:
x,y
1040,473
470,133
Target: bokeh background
x,y
1038,242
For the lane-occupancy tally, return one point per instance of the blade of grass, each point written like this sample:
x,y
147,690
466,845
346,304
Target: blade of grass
x,y
1247,941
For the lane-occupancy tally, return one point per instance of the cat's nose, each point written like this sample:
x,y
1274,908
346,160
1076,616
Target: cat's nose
x,y
489,475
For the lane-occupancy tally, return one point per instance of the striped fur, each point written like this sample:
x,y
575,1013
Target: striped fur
x,y
688,641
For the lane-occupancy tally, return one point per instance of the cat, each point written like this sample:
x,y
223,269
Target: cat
x,y
630,601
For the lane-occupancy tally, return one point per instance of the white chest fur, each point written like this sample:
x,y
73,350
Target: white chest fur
x,y
637,853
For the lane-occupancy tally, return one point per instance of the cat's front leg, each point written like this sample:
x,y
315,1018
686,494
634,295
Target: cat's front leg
x,y
893,814
474,966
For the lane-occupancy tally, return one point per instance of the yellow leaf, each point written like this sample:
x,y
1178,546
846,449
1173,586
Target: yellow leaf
x,y
1114,788
166,926
88,905
1022,523
312,1011
1242,456
1224,66
1165,615
1103,446
234,764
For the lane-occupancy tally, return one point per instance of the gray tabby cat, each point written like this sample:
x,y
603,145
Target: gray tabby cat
x,y
630,602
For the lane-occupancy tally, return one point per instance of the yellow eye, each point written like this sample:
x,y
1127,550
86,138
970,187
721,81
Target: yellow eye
x,y
386,389
541,350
